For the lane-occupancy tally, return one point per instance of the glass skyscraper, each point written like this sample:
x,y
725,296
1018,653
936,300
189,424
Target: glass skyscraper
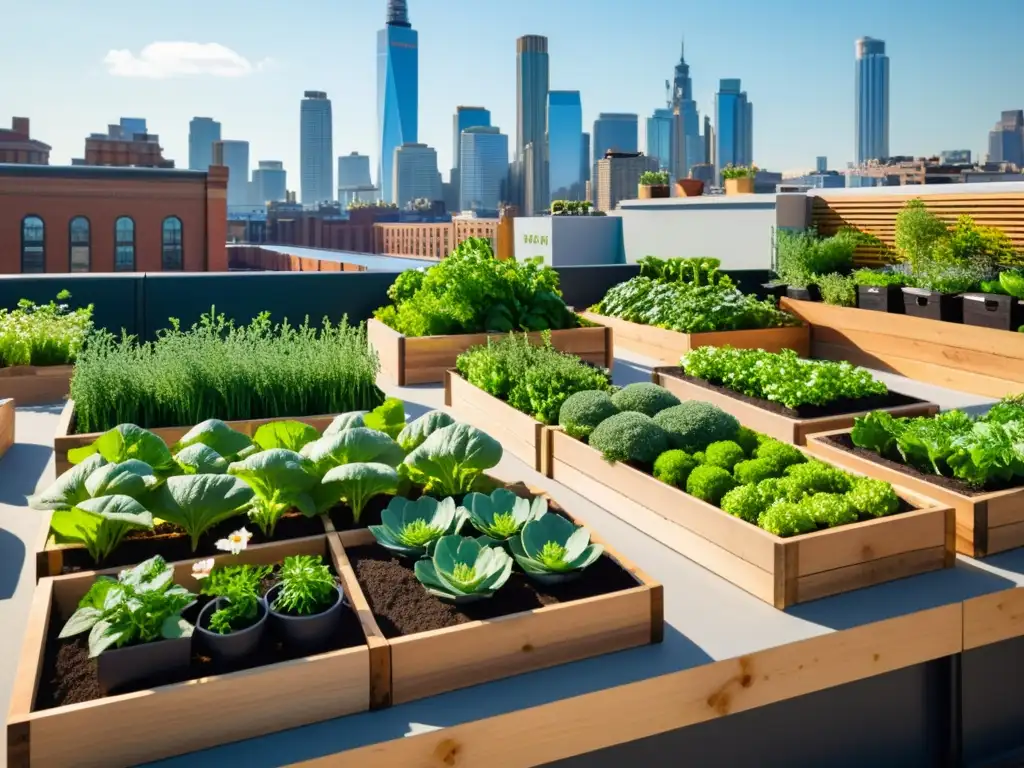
x,y
734,125
682,94
531,122
565,145
316,149
397,91
202,132
659,138
234,155
614,131
464,118
484,168
872,97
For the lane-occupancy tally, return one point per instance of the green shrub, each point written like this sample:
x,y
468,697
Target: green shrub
x,y
803,257
694,425
748,440
583,411
787,519
744,502
698,456
830,510
838,290
780,454
754,470
725,454
644,397
674,467
43,334
629,436
709,483
879,278
873,498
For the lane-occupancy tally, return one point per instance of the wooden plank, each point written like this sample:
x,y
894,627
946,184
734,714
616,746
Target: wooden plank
x,y
775,425
390,347
593,721
7,420
993,618
877,570
1004,537
36,384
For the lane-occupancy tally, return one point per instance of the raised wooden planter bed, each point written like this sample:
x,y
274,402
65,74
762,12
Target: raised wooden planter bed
x,y
65,438
668,346
423,360
986,523
36,384
519,434
180,717
780,571
982,361
433,662
7,419
786,428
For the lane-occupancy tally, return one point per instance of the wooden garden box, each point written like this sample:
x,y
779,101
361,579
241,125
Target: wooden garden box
x,y
777,425
36,384
148,725
779,571
986,523
668,346
7,420
408,360
429,663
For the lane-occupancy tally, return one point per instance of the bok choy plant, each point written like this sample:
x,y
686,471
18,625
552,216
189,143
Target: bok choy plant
x,y
551,549
196,503
281,480
463,570
453,457
412,528
502,515
127,441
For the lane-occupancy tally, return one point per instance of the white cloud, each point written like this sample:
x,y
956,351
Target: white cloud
x,y
179,59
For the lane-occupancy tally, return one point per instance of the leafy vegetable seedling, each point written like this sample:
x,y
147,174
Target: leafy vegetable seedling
x,y
463,570
551,549
413,528
307,586
502,515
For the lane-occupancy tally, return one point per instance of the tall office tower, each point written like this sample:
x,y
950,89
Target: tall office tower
x,y
484,168
682,90
1006,140
316,161
872,100
202,132
585,159
354,182
398,84
414,167
659,138
821,164
613,132
464,118
565,146
234,155
531,122
709,141
269,183
734,126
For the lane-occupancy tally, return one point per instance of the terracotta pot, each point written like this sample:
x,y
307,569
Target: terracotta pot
x,y
649,191
689,187
744,186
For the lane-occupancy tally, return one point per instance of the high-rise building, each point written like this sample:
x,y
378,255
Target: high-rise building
x,y
1006,140
872,100
354,182
659,138
682,95
709,141
202,132
618,177
316,161
585,158
234,155
415,174
464,117
130,126
734,126
484,168
397,91
532,82
269,183
565,146
821,164
614,132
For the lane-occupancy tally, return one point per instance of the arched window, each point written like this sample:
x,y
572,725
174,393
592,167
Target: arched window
x,y
124,245
172,257
79,243
33,245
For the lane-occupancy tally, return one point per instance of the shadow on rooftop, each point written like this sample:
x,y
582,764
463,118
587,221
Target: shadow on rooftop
x,y
21,470
676,653
12,558
1012,561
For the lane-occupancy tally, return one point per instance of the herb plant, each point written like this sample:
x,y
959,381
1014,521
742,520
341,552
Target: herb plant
x,y
739,171
462,570
307,586
43,334
803,257
880,278
551,549
142,605
412,528
654,178
838,290
241,587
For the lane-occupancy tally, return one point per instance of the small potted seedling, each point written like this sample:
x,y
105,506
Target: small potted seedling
x,y
653,184
551,549
134,623
232,624
306,604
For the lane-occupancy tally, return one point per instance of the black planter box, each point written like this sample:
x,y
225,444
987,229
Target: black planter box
x,y
881,298
932,305
810,293
773,290
993,310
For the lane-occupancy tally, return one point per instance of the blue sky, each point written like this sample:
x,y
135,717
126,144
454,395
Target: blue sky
x,y
952,70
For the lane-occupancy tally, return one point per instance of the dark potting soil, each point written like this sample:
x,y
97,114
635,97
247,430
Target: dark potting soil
x,y
835,408
169,542
69,675
402,606
845,443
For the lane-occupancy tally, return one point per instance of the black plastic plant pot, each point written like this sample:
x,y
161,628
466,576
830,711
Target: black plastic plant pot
x,y
810,293
993,310
117,668
301,632
932,305
880,298
233,645
774,290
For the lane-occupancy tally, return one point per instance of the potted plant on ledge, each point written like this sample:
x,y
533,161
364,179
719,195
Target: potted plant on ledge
x,y
653,184
739,179
689,187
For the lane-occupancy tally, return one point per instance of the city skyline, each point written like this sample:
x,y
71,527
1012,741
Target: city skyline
x,y
111,69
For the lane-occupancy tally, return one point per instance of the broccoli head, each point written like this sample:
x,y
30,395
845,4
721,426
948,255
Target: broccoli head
x,y
694,425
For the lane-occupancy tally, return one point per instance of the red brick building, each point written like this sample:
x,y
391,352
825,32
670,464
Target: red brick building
x,y
18,146
87,219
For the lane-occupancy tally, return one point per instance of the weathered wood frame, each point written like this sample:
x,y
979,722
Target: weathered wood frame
x,y
668,346
776,425
407,360
182,717
985,524
781,572
7,424
36,384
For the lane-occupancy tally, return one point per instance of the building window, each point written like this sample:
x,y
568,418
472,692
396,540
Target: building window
x,y
33,245
171,253
78,244
124,245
